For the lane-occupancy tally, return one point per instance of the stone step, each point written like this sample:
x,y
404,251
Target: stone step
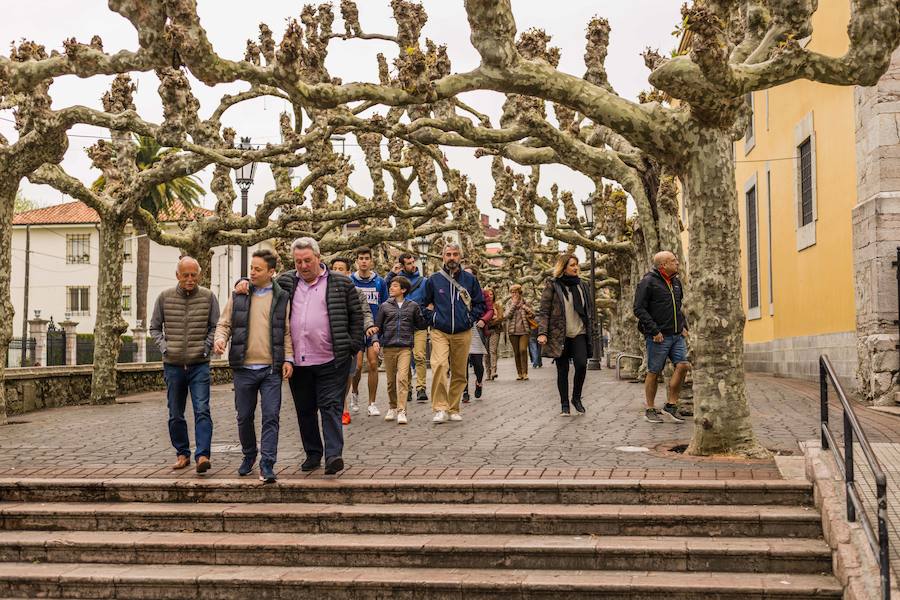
x,y
472,551
571,519
25,580
368,491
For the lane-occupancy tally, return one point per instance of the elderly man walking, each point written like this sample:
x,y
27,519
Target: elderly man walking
x,y
454,303
183,325
326,328
657,305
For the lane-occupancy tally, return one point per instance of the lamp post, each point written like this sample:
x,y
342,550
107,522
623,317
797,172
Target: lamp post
x,y
243,176
422,245
594,361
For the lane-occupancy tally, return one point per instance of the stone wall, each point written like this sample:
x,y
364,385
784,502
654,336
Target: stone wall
x,y
29,389
799,356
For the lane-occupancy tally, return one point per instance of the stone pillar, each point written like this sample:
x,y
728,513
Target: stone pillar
x,y
876,235
37,328
69,326
139,334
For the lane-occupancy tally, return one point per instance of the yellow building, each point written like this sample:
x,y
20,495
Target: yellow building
x,y
815,181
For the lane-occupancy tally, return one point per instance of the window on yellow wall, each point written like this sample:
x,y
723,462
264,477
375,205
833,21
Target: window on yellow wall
x,y
750,134
752,253
806,194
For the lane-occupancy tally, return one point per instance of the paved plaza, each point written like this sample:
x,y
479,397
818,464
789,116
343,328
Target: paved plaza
x,y
514,431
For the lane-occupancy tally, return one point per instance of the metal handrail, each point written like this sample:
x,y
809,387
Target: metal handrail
x,y
853,430
619,361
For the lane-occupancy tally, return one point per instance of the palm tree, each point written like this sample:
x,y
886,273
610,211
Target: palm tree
x,y
185,191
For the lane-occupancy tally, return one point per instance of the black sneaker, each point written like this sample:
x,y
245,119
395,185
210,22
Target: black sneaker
x,y
266,474
478,391
670,411
565,412
311,464
421,397
465,397
651,415
576,402
333,465
246,465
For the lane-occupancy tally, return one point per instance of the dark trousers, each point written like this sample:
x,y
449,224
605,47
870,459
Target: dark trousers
x,y
179,381
320,389
476,361
266,385
575,349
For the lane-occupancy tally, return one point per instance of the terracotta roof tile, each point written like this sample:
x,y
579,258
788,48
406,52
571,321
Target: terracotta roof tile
x,y
78,212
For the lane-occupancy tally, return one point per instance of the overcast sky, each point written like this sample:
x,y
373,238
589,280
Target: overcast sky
x,y
229,23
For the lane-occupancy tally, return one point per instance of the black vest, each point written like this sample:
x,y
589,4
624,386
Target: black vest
x,y
240,325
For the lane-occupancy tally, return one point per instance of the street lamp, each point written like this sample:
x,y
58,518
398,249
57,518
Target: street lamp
x,y
243,176
422,245
593,362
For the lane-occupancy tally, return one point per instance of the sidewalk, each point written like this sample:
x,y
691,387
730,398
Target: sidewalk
x,y
513,432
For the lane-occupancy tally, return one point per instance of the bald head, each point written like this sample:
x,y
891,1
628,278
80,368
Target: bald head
x,y
188,273
666,261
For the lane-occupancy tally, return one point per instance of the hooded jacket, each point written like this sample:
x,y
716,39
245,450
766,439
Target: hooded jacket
x,y
416,280
397,325
450,314
657,305
374,288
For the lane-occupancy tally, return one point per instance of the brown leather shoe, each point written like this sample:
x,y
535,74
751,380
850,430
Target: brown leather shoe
x,y
181,462
203,464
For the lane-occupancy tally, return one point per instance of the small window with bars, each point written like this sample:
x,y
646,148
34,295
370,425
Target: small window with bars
x,y
127,252
78,248
126,299
78,301
806,182
752,250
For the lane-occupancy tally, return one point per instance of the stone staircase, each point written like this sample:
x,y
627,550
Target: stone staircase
x,y
367,539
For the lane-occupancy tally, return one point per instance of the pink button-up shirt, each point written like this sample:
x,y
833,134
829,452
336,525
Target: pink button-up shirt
x,y
310,327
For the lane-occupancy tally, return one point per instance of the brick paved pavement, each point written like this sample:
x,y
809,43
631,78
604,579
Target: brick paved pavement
x,y
513,432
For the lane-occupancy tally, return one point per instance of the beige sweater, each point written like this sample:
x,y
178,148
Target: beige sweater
x,y
259,349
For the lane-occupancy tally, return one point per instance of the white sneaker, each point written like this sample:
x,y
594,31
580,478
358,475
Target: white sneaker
x,y
455,417
391,414
440,417
373,411
401,417
354,402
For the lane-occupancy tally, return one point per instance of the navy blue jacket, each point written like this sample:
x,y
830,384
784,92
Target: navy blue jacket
x,y
450,314
418,293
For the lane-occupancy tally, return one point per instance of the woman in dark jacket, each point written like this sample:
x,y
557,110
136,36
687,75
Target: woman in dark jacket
x,y
565,321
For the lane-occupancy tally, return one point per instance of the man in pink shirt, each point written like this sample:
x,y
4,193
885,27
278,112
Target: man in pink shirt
x,y
327,331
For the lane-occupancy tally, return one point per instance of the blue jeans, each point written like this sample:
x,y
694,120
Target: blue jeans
x,y
180,380
673,347
266,385
534,350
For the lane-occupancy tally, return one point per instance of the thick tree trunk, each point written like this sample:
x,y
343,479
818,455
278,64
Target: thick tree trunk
x,y
8,189
110,325
142,279
721,414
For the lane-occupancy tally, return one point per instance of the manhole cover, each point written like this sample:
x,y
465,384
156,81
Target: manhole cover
x,y
632,449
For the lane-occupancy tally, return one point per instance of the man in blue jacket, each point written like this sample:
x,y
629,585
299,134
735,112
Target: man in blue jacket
x,y
454,303
372,285
407,267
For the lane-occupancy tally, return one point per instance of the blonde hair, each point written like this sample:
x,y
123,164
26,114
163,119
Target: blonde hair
x,y
515,288
562,262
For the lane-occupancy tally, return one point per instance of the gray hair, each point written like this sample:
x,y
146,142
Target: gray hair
x,y
306,242
453,245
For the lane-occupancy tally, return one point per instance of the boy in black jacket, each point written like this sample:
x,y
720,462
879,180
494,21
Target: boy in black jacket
x,y
397,321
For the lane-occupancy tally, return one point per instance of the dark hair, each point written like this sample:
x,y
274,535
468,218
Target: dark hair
x,y
405,256
363,250
341,259
404,283
268,256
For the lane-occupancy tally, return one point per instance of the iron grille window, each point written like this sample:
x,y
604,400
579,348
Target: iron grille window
x,y
806,195
752,251
78,248
78,300
126,299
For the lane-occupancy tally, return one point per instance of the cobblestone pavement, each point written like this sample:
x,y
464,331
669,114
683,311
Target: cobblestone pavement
x,y
513,432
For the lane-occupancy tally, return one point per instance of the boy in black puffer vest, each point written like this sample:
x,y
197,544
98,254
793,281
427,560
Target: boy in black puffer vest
x,y
397,321
261,355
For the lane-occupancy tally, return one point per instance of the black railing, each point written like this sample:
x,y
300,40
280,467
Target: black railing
x,y
853,433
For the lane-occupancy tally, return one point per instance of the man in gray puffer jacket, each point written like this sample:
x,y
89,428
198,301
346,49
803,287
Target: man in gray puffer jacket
x,y
397,321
